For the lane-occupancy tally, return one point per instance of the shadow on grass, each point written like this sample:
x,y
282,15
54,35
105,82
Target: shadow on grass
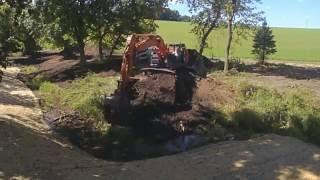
x,y
288,71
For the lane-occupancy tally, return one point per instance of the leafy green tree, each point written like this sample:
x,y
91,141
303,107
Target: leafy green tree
x,y
113,20
96,20
6,17
72,17
103,18
240,14
27,29
169,15
211,14
264,43
208,18
20,27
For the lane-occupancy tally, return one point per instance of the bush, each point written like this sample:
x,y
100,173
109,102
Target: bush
x,y
235,63
37,81
249,120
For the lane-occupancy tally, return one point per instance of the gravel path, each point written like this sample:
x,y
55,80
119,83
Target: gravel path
x,y
18,103
27,151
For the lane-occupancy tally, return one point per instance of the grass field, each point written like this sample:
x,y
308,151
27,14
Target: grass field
x,y
292,44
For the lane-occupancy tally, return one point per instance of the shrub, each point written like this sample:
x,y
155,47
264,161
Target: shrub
x,y
249,120
235,63
37,81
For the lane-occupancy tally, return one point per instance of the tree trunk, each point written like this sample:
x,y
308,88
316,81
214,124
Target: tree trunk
x,y
226,63
100,48
114,46
204,39
30,46
81,50
263,56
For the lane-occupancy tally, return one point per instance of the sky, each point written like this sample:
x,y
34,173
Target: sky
x,y
281,13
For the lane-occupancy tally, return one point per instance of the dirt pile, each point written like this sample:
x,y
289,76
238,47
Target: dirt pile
x,y
167,101
155,88
213,93
79,130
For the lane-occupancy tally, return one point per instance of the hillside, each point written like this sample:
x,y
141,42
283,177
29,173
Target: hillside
x,y
293,44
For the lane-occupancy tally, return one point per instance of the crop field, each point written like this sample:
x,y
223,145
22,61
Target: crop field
x,y
293,44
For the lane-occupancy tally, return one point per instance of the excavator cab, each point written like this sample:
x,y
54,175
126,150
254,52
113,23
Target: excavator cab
x,y
177,55
149,58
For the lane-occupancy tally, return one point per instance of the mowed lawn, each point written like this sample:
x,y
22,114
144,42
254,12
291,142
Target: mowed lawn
x,y
292,44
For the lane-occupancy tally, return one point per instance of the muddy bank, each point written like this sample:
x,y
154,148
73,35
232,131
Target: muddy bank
x,y
156,129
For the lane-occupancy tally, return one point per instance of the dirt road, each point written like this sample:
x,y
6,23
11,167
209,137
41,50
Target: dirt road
x,y
28,151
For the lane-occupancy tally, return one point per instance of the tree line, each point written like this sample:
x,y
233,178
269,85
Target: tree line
x,y
26,25
168,14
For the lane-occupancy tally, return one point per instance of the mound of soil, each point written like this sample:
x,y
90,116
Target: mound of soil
x,y
213,93
154,88
203,96
79,130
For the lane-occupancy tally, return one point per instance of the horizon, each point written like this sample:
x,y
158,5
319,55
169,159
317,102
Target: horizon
x,y
268,25
300,14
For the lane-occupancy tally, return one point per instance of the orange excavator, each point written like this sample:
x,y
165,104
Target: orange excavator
x,y
158,57
147,54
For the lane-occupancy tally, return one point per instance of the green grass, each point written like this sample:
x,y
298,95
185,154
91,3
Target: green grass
x,y
294,112
83,95
292,44
29,69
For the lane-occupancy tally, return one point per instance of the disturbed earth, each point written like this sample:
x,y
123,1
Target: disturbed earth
x,y
158,125
28,150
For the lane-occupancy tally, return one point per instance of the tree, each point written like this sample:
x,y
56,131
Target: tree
x,y
169,15
73,18
82,20
241,13
111,20
185,18
3,60
264,43
209,16
19,28
103,18
27,29
7,40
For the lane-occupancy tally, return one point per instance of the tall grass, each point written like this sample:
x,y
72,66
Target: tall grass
x,y
83,95
295,112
